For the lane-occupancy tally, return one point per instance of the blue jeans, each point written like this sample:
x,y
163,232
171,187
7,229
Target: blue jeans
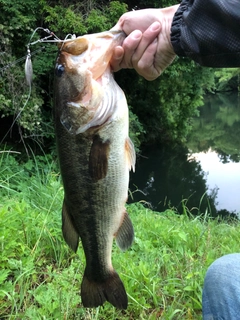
x,y
221,290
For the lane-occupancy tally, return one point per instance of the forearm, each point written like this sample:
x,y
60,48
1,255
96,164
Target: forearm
x,y
208,31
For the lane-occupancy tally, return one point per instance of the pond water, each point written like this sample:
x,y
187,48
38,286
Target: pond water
x,y
223,177
204,173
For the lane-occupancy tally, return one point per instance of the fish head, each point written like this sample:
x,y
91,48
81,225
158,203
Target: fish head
x,y
90,53
80,68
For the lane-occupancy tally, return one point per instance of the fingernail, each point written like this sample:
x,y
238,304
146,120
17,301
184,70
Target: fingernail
x,y
155,26
136,34
119,56
118,53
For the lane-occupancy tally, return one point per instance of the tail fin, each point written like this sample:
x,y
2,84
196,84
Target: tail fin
x,y
94,293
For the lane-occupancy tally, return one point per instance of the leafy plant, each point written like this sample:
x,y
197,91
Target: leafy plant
x,y
227,79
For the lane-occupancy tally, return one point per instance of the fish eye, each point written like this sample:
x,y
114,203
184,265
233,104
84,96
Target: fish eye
x,y
59,70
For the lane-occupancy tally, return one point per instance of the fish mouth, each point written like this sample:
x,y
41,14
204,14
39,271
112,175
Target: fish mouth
x,y
91,52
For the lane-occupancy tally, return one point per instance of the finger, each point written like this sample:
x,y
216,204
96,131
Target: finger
x,y
129,45
136,20
147,38
116,59
146,65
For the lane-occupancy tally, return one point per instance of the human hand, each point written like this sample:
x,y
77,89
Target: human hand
x,y
147,48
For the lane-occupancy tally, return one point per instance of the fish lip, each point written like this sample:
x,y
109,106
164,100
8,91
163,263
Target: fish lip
x,y
117,31
114,32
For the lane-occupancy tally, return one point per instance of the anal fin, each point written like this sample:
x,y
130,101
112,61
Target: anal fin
x,y
125,233
69,232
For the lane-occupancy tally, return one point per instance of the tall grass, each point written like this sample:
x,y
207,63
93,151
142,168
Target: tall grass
x,y
40,276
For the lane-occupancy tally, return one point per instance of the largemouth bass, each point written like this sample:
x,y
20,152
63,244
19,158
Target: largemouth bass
x,y
95,155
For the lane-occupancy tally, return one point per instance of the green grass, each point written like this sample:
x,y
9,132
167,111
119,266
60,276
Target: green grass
x,y
40,276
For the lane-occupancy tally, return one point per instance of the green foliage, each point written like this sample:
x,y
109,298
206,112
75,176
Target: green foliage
x,y
180,100
96,21
40,277
15,101
81,18
135,129
142,4
70,21
16,21
227,79
15,25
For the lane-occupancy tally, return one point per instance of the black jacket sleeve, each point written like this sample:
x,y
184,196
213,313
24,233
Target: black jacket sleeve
x,y
208,32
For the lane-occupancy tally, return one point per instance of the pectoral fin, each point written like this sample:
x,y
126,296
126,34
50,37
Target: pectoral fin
x,y
130,154
125,233
69,233
98,158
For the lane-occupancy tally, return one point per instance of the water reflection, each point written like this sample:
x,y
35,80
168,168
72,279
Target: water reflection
x,y
222,178
205,173
218,127
166,177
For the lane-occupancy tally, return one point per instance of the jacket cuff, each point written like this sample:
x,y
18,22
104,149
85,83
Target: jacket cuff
x,y
176,28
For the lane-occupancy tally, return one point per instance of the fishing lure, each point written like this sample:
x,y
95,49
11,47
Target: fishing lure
x,y
28,68
28,62
27,58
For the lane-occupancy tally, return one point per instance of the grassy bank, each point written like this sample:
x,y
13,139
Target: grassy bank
x,y
40,276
